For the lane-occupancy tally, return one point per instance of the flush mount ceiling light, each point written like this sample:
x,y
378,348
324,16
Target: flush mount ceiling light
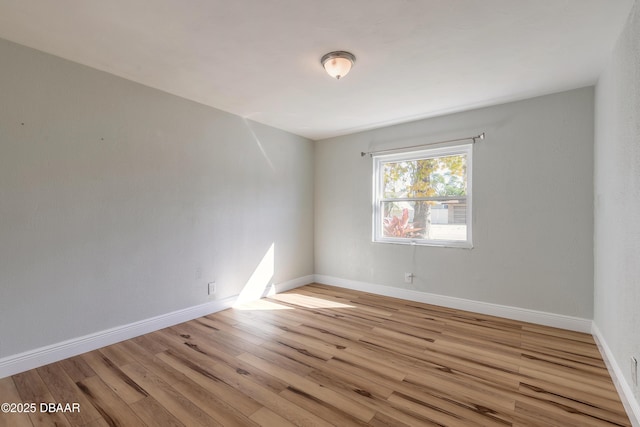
x,y
338,63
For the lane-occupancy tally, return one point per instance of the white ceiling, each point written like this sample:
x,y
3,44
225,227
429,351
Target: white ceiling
x,y
260,59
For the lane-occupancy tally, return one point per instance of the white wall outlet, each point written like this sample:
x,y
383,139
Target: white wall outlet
x,y
634,371
408,277
212,288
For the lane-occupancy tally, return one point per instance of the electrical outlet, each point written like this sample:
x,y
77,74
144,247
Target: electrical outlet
x,y
212,288
634,371
408,277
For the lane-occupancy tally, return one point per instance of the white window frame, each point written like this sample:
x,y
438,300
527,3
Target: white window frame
x,y
379,160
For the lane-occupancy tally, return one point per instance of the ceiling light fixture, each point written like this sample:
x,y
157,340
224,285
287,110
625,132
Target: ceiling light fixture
x,y
338,63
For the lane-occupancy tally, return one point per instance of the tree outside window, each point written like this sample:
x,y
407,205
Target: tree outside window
x,y
424,197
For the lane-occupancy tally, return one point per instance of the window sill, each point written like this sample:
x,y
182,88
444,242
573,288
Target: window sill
x,y
440,244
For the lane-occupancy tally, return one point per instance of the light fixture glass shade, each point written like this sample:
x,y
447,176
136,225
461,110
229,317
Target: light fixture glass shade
x,y
338,64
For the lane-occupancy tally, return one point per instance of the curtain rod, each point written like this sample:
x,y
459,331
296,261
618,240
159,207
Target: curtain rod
x,y
391,150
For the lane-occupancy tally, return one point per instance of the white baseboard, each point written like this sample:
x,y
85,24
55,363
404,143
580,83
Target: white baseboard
x,y
53,353
516,313
624,390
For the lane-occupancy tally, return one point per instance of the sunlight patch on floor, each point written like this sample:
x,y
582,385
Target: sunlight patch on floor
x,y
308,302
262,304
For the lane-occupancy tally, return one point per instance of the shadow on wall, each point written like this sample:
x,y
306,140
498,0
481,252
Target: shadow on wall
x,y
270,206
257,140
260,282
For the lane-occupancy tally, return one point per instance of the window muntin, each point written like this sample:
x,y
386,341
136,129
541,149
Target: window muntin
x,y
424,197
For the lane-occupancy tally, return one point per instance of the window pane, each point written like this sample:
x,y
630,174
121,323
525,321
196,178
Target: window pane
x,y
425,220
429,177
424,197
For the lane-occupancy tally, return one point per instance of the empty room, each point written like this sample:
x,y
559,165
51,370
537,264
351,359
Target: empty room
x,y
319,213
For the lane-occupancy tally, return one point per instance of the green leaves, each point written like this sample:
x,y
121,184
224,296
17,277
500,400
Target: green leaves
x,y
429,177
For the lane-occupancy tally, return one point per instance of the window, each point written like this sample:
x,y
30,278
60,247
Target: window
x,y
423,197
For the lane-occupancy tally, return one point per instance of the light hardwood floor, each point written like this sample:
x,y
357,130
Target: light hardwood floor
x,y
322,356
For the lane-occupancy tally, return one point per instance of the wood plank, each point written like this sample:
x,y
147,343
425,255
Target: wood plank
x,y
311,388
77,368
567,372
165,395
471,394
291,358
118,381
207,400
267,418
564,345
9,394
208,353
253,338
578,403
117,355
329,413
32,389
100,422
150,344
584,386
383,420
111,407
64,391
549,390
322,356
154,414
151,362
202,375
428,412
220,413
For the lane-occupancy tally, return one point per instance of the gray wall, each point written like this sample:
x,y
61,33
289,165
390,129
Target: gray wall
x,y
617,199
119,202
538,156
